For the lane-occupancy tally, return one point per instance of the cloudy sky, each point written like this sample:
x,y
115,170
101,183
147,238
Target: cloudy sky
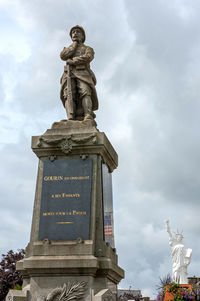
x,y
147,67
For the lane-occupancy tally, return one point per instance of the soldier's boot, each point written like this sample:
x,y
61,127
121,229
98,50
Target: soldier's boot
x,y
87,107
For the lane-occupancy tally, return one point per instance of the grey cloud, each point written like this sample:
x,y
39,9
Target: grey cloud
x,y
43,69
146,62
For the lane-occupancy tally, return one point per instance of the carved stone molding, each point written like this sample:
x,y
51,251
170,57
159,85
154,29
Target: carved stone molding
x,y
69,291
104,295
18,295
67,142
54,141
109,296
66,146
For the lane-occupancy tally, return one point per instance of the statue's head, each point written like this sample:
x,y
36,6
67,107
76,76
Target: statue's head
x,y
77,33
179,237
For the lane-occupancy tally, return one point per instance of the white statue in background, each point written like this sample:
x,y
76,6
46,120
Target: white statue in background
x,y
181,257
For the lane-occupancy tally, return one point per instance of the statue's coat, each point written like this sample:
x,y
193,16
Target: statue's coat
x,y
82,56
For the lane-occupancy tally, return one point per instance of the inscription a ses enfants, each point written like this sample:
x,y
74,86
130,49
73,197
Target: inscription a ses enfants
x,y
65,195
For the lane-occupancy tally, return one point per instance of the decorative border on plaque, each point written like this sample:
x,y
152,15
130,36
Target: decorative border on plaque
x,y
69,291
67,142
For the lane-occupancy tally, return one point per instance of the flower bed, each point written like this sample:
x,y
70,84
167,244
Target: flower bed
x,y
179,292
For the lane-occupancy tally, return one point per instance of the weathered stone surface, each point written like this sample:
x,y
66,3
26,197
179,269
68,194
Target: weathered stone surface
x,y
71,265
64,264
69,291
50,264
104,295
78,93
73,127
18,295
61,142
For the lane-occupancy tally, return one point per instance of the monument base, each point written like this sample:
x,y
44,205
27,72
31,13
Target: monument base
x,y
67,257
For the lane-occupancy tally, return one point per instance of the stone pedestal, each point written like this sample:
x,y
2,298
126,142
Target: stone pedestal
x,y
67,257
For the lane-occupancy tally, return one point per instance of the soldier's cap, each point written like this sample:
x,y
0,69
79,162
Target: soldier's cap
x,y
79,27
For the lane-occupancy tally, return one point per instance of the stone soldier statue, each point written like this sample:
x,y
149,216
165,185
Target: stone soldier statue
x,y
181,256
78,93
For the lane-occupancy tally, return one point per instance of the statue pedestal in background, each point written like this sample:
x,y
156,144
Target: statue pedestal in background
x,y
67,257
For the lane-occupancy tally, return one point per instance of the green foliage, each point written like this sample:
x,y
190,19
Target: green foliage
x,y
174,287
164,281
18,287
181,293
162,286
